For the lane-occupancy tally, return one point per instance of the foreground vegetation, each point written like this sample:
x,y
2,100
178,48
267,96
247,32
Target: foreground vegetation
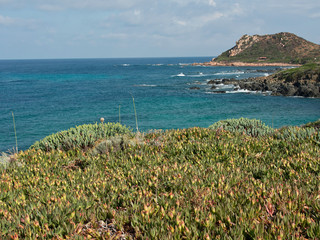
x,y
237,179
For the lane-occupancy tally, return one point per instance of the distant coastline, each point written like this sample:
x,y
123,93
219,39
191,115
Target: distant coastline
x,y
246,64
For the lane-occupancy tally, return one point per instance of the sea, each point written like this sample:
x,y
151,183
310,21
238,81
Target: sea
x,y
42,97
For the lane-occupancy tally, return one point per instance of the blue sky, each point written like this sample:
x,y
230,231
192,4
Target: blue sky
x,y
32,29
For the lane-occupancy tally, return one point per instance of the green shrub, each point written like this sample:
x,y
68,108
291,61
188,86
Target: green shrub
x,y
251,127
81,137
296,133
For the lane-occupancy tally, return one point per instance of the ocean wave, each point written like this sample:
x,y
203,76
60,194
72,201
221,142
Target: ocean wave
x,y
241,91
230,73
145,85
179,75
248,91
223,86
212,92
200,74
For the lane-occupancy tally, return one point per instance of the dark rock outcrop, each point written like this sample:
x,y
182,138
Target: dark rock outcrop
x,y
303,81
278,87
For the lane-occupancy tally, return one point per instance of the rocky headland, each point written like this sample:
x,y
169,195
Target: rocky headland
x,y
303,81
245,64
280,49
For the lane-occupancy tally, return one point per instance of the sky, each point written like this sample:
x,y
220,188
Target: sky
x,y
45,29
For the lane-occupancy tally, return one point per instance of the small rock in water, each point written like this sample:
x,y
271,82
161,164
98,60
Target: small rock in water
x,y
194,88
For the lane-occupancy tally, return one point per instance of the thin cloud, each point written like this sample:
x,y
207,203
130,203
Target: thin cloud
x,y
17,22
212,3
6,21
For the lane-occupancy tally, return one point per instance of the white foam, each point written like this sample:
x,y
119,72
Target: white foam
x,y
181,75
145,85
241,91
248,91
223,86
215,92
125,65
229,73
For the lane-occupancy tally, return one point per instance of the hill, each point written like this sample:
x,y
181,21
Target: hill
x,y
282,47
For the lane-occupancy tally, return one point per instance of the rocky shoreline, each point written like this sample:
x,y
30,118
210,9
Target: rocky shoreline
x,y
309,86
245,64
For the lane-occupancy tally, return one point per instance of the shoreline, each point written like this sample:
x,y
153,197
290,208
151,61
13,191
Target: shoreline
x,y
245,64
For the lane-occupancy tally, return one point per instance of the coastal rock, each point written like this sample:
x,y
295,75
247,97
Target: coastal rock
x,y
195,88
283,87
245,64
304,82
214,82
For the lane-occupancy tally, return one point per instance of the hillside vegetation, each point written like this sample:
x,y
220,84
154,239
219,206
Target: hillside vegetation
x,y
280,48
309,71
237,179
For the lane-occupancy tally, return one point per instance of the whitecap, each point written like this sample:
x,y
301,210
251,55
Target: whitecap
x,y
241,91
223,86
181,75
145,85
199,75
229,73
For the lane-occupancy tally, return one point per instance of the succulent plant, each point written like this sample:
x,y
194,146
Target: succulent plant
x,y
195,183
82,137
251,127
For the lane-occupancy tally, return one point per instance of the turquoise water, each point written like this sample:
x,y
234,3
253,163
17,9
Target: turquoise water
x,y
48,96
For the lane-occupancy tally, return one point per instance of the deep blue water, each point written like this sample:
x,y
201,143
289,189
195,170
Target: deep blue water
x,y
48,96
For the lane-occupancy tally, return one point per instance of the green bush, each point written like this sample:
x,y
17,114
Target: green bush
x,y
81,137
251,127
296,133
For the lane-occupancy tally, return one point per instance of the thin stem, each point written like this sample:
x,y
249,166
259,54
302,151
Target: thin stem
x,y
119,114
15,132
135,113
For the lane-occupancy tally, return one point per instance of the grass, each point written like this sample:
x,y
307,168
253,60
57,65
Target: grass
x,y
196,183
300,72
